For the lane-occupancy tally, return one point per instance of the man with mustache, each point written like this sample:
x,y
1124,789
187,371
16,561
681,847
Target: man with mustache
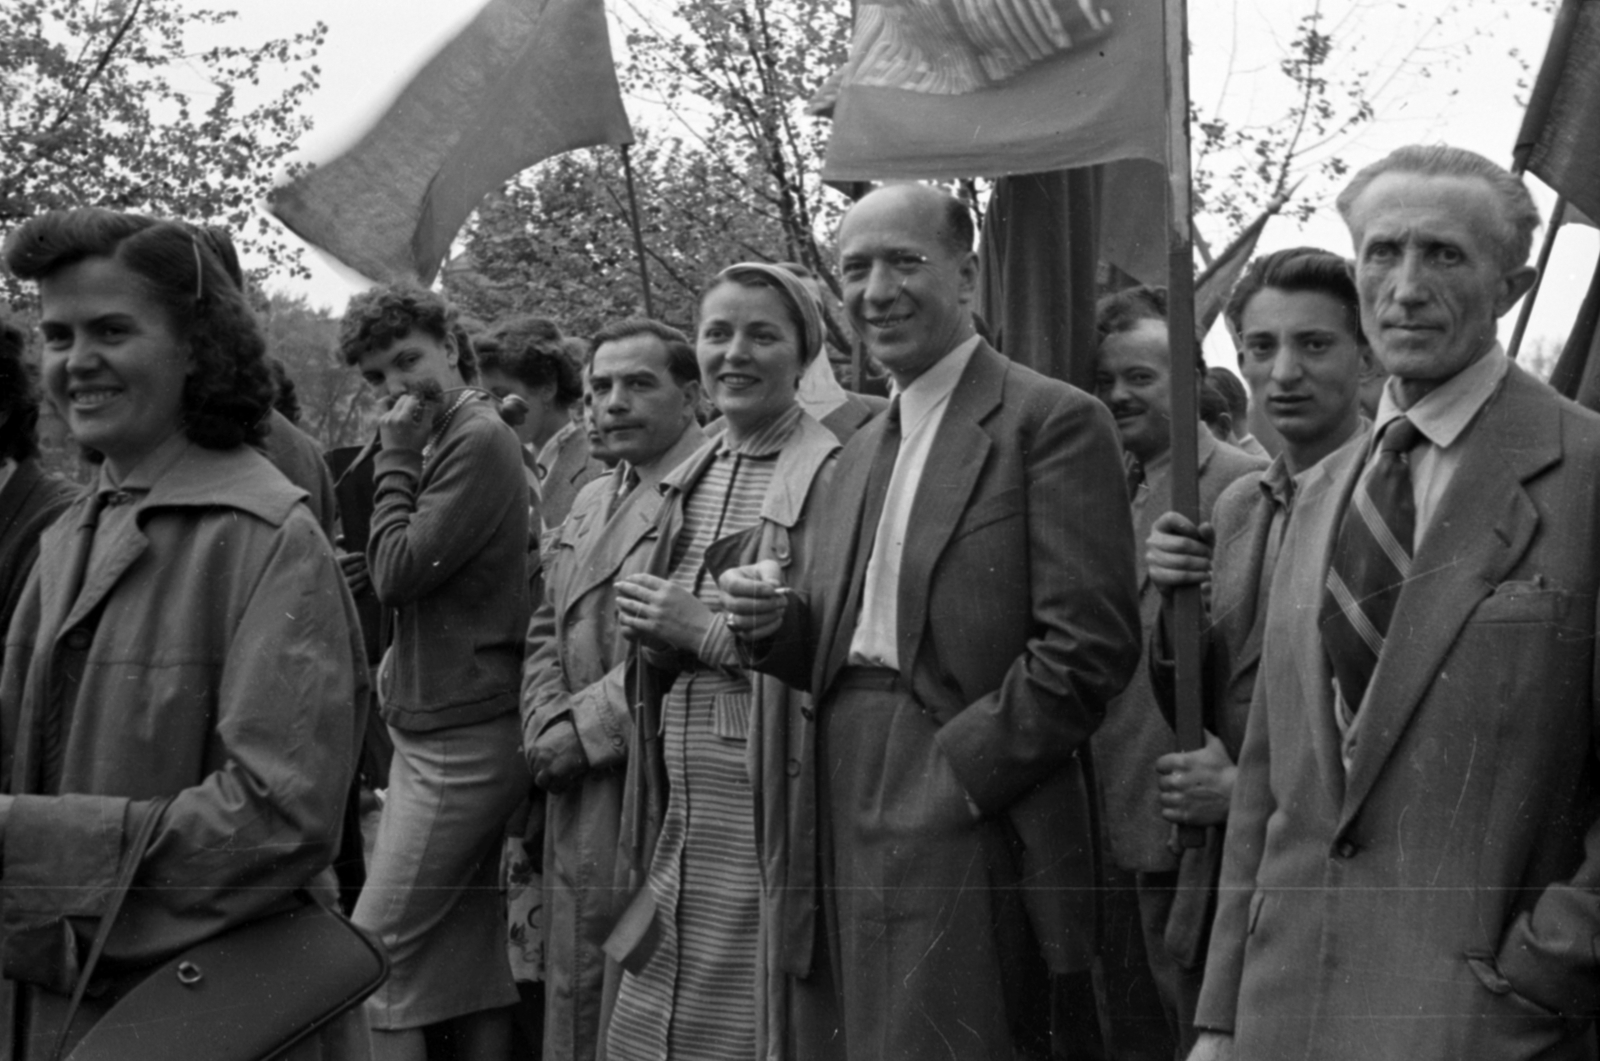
x,y
1412,866
576,721
1300,342
1149,995
967,614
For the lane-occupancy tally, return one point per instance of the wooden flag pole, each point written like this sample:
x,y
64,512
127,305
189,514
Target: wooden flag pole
x,y
1545,248
1186,611
638,233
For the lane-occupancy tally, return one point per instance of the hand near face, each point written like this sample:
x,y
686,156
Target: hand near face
x,y
1197,786
1178,553
408,424
557,758
754,598
654,609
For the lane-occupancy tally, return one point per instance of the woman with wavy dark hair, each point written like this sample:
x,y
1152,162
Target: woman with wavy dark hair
x,y
185,651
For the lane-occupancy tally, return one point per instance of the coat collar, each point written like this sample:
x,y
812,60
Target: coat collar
x,y
238,478
602,543
806,449
1485,524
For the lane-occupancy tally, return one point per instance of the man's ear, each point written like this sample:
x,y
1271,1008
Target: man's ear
x,y
969,277
1513,286
693,398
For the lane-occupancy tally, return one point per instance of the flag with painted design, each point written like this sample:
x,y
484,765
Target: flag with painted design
x,y
959,88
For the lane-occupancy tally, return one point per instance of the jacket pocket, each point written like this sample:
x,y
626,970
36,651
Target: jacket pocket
x,y
1007,504
1533,601
730,716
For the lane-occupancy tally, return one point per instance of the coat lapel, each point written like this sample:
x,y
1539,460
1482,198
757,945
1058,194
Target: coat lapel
x,y
837,549
1484,525
1296,603
1245,551
602,545
955,461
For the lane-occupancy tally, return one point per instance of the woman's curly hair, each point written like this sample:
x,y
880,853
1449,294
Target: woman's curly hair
x,y
533,350
190,272
382,315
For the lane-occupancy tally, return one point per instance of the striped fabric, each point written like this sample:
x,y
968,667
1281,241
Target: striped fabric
x,y
1371,562
696,997
953,46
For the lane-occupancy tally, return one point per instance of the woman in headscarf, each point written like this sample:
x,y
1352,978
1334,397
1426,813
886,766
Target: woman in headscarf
x,y
185,637
690,843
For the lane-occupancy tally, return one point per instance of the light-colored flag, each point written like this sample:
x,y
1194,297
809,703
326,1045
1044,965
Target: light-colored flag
x,y
938,89
525,80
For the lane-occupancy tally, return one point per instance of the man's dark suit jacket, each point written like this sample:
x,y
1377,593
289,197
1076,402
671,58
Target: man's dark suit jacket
x,y
1441,900
1017,612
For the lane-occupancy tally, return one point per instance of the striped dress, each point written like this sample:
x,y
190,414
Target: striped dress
x,y
696,997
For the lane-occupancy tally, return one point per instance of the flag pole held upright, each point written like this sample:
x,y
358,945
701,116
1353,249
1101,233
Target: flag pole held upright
x,y
638,233
1184,354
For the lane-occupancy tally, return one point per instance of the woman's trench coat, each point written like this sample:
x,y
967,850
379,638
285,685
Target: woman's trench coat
x,y
217,660
782,745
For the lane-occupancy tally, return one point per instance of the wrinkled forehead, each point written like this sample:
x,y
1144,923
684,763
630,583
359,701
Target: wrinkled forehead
x,y
1427,209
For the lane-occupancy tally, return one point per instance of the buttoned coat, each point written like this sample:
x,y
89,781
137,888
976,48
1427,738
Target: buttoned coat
x,y
780,747
575,669
1440,900
1017,613
214,658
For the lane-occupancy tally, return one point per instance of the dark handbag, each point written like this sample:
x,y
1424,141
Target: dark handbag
x,y
251,993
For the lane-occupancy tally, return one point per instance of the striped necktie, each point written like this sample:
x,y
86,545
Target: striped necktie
x,y
1371,561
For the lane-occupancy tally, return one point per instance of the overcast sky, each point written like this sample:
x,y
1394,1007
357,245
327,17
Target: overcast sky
x,y
1443,70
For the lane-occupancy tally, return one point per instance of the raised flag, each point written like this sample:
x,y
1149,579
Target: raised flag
x,y
940,89
524,81
1560,137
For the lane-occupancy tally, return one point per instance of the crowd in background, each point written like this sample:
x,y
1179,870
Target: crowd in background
x,y
652,695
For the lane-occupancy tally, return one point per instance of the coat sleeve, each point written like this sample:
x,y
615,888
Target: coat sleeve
x,y
598,711
1248,814
1084,606
288,714
1551,953
421,536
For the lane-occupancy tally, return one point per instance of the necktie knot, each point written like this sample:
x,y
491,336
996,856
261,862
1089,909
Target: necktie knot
x,y
894,414
1400,437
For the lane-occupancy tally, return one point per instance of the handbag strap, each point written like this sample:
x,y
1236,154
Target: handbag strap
x,y
119,891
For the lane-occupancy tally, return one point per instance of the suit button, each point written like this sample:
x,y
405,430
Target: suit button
x,y
807,713
1345,849
78,639
794,768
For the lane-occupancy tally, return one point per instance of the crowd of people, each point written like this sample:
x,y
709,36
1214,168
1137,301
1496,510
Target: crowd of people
x,y
691,706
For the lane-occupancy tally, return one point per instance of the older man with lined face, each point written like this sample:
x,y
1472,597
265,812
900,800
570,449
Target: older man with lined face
x,y
1412,867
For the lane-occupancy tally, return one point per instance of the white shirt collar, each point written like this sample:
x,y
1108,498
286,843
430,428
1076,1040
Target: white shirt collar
x,y
929,390
1444,412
